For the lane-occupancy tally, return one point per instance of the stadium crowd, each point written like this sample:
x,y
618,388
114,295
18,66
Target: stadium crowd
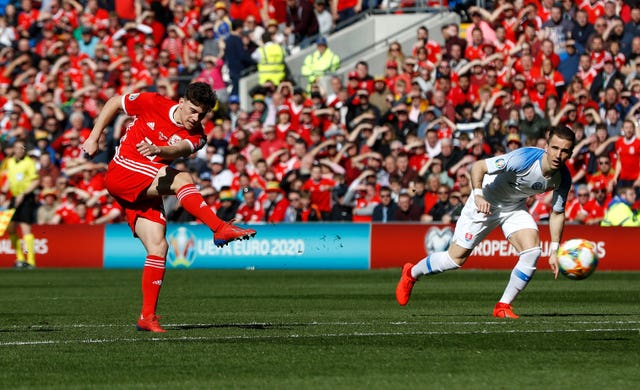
x,y
391,144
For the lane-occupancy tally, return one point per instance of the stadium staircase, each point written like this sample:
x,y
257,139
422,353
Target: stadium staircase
x,y
367,40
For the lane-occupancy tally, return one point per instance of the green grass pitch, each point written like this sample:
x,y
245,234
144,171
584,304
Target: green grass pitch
x,y
74,329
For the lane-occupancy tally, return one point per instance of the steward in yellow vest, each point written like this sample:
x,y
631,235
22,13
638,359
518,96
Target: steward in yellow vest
x,y
320,62
619,212
271,63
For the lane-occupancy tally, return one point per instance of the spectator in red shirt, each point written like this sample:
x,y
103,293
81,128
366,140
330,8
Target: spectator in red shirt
x,y
276,204
575,210
596,207
307,210
604,174
320,190
628,150
250,210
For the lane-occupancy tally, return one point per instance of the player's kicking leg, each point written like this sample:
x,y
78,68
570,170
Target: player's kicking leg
x,y
171,181
433,264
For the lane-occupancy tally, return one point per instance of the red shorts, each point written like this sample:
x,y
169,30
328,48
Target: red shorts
x,y
127,181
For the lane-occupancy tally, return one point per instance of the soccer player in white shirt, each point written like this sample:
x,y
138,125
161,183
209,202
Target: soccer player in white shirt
x,y
501,186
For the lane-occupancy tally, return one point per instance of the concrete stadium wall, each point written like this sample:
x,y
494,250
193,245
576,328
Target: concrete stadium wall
x,y
367,41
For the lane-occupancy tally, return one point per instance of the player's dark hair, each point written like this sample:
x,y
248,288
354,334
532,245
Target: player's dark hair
x,y
563,132
201,95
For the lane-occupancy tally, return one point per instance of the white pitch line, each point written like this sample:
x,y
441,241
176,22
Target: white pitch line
x,y
296,336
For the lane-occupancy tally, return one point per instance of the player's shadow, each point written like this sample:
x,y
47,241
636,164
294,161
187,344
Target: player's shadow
x,y
438,315
38,329
579,315
256,326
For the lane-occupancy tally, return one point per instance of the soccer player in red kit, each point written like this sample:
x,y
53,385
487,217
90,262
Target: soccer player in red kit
x,y
139,175
628,150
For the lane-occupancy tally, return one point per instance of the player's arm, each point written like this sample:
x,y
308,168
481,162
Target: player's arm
x,y
170,152
556,226
108,112
478,170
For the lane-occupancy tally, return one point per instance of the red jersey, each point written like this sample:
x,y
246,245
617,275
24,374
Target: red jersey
x,y
95,184
320,192
277,212
26,19
69,216
363,203
573,209
418,161
250,214
474,53
240,10
70,153
430,200
587,76
600,178
107,208
154,124
594,10
595,209
597,59
629,155
539,210
125,10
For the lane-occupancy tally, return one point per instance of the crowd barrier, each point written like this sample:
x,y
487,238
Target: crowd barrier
x,y
329,246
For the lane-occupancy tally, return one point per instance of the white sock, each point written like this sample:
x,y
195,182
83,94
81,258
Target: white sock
x,y
521,274
433,264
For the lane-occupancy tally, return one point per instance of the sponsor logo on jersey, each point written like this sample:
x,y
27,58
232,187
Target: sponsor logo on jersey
x,y
500,163
174,139
133,96
152,125
162,136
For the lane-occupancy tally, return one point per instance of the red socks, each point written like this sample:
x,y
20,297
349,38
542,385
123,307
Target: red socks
x,y
152,276
194,203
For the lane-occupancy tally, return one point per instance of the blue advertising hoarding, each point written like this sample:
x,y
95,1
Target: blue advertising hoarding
x,y
284,246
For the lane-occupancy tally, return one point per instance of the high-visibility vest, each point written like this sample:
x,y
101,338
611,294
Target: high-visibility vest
x,y
620,214
317,65
271,66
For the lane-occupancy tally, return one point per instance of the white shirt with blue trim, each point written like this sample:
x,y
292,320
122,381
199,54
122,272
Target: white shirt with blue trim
x,y
515,176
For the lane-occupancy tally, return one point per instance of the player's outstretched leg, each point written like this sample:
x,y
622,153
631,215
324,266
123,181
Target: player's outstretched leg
x,y
432,264
230,232
224,232
405,285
